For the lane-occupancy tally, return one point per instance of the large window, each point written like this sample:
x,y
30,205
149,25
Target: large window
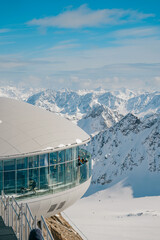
x,y
45,173
22,181
53,158
43,160
33,161
22,163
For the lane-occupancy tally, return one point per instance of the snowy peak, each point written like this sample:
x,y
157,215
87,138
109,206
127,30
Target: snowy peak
x,y
98,119
144,104
129,123
17,93
124,93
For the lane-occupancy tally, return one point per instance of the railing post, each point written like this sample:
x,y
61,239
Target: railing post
x,y
1,207
42,225
8,206
12,212
5,210
35,222
16,220
26,228
20,222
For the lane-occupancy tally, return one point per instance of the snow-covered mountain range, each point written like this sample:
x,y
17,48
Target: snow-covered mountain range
x,y
124,126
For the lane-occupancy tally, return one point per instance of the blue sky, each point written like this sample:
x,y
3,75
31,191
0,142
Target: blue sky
x,y
80,44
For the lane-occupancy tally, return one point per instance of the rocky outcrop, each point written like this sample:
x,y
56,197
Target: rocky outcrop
x,y
61,229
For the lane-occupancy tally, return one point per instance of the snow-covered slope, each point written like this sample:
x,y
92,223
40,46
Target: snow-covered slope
x,y
113,214
144,104
130,151
98,119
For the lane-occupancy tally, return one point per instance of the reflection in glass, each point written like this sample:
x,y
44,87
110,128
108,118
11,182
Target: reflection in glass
x,y
22,163
9,182
22,181
33,179
1,180
1,165
68,154
61,156
53,158
53,174
43,160
9,165
68,172
61,179
44,177
33,161
75,153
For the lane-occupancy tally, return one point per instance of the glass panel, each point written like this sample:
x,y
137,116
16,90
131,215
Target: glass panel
x,y
53,157
74,170
61,156
1,180
9,182
68,154
43,160
22,181
33,161
61,173
44,175
22,163
54,175
75,153
33,179
9,165
1,165
83,173
68,172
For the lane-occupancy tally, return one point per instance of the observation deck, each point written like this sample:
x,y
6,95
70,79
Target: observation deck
x,y
45,174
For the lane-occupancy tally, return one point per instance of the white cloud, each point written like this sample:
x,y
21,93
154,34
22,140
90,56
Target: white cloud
x,y
85,17
136,32
4,30
10,65
65,46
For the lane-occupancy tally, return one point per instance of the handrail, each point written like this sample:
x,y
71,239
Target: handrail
x,y
29,210
48,231
20,218
13,199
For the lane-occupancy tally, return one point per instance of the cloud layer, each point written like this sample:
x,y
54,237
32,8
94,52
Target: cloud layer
x,y
83,17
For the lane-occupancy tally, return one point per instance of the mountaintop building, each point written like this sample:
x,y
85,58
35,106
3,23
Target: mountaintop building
x,y
41,160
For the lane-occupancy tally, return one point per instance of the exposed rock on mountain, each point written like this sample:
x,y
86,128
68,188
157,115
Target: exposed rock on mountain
x,y
130,151
98,119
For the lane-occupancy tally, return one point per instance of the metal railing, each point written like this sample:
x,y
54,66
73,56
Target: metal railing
x,y
20,218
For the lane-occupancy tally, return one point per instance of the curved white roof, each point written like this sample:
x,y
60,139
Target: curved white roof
x,y
26,130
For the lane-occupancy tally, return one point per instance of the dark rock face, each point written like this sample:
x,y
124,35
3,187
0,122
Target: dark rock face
x,y
61,229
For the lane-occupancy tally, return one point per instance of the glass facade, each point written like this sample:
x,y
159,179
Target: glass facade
x,y
44,174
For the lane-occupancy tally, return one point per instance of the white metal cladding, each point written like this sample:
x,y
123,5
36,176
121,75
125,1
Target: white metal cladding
x,y
28,130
